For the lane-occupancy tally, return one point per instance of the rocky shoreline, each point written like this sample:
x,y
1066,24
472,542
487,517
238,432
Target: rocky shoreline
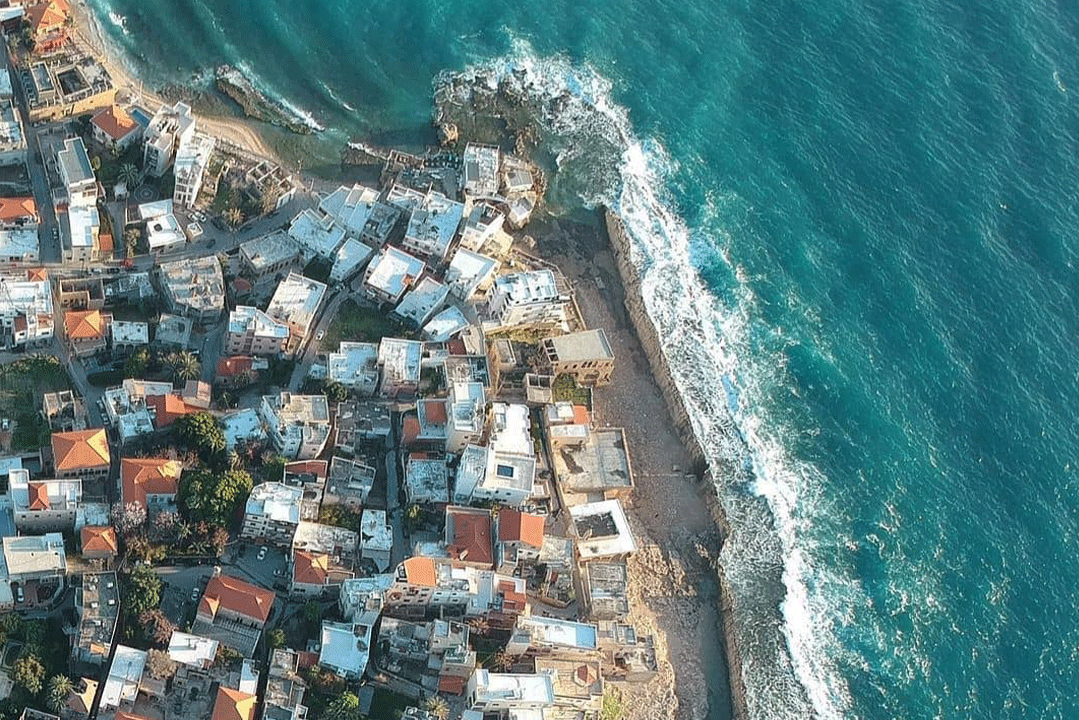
x,y
650,341
230,82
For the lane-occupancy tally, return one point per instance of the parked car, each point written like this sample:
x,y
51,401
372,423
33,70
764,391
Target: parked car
x,y
20,597
194,594
262,553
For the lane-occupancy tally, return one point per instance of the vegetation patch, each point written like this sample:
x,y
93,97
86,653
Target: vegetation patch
x,y
22,385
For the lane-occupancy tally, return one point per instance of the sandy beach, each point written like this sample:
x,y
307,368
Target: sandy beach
x,y
674,589
234,130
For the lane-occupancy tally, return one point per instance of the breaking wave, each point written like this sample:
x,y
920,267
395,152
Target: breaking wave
x,y
781,610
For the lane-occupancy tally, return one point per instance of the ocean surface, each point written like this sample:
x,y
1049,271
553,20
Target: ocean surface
x,y
859,226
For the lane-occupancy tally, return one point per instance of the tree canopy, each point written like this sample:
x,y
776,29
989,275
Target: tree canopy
x,y
214,497
345,707
29,673
142,591
199,431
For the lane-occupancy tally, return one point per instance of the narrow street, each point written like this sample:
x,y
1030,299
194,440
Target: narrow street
x,y
394,511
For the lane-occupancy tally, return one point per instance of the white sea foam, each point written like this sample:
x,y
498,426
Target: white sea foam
x,y
796,677
119,21
298,114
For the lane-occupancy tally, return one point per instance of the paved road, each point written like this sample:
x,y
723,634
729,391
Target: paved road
x,y
394,510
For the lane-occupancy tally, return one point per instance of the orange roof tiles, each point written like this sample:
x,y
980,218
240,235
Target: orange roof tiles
x,y
410,429
233,705
581,416
471,541
39,496
104,242
451,684
81,701
140,477
37,274
17,208
420,571
115,122
167,408
233,366
121,715
47,15
84,324
310,568
236,596
318,468
99,539
435,411
516,526
80,450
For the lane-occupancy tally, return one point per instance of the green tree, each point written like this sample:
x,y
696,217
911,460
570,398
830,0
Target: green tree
x,y
339,516
184,366
199,431
213,497
130,176
135,365
233,216
273,469
437,707
131,240
345,706
95,163
335,391
313,612
276,638
59,688
29,673
142,591
11,624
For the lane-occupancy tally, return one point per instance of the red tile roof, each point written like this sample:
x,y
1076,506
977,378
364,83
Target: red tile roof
x,y
167,408
140,477
516,526
17,208
39,496
80,450
434,411
104,242
471,541
99,540
115,122
233,705
581,416
237,596
456,346
233,366
310,568
318,468
410,429
84,324
37,274
451,684
47,15
420,571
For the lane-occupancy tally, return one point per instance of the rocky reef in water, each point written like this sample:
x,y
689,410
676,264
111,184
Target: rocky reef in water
x,y
254,103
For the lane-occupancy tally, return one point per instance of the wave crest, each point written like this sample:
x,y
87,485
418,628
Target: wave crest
x,y
787,663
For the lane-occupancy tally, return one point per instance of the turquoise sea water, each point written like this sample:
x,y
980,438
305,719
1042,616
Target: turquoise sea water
x,y
879,203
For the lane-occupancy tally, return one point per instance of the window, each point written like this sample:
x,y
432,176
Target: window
x,y
505,471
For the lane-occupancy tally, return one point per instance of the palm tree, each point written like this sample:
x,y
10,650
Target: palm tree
x,y
437,707
234,217
501,662
479,625
235,461
184,366
59,688
130,176
269,199
131,239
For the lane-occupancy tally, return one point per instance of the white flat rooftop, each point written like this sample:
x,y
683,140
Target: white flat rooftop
x,y
393,270
602,530
445,325
423,300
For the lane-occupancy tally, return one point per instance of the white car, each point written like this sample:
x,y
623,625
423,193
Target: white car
x,y
320,334
194,594
262,553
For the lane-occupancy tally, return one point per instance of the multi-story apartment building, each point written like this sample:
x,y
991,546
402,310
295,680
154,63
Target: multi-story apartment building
x,y
252,332
44,505
298,425
526,299
272,513
168,130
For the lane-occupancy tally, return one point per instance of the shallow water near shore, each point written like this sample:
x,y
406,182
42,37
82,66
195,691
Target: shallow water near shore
x,y
857,233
